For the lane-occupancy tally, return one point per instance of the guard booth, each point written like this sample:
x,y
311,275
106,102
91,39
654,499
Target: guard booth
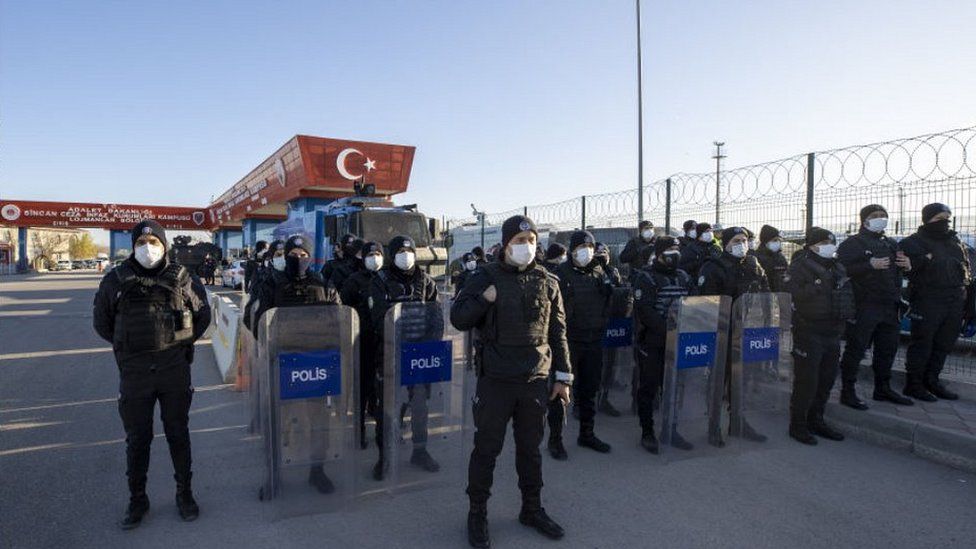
x,y
692,411
307,389
761,365
619,382
427,380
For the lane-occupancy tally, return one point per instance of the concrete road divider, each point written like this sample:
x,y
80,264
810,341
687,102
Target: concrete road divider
x,y
223,336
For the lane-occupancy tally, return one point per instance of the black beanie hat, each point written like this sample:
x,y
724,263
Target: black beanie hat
x,y
767,233
515,225
478,251
932,210
146,227
870,209
702,228
555,250
401,241
816,234
689,225
298,241
371,247
645,225
467,257
729,233
602,248
275,246
355,246
664,243
580,237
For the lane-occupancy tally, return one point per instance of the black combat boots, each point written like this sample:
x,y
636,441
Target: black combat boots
x,y
185,504
138,506
848,397
478,526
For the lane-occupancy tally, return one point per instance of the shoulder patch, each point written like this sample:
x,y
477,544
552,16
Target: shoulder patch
x,y
701,280
638,293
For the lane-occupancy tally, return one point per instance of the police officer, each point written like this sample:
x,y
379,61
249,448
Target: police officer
x,y
152,312
479,255
253,263
696,252
876,268
518,311
938,282
355,294
823,300
733,273
555,256
274,261
771,258
586,294
469,263
401,282
618,307
350,262
209,269
656,287
631,252
338,255
296,286
689,231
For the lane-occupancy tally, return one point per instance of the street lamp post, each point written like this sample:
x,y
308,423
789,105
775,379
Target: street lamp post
x,y
718,177
640,124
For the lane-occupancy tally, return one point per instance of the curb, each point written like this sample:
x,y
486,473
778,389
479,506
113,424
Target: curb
x,y
944,446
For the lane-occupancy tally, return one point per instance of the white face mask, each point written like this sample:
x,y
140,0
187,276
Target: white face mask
x,y
774,246
826,251
583,256
278,262
877,224
739,250
149,255
405,260
706,236
471,265
521,254
693,234
373,262
646,234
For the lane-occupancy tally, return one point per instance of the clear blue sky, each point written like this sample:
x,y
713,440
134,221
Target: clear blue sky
x,y
508,102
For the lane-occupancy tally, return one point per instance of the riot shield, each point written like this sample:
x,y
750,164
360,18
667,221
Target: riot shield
x,y
308,394
618,387
694,377
425,373
249,375
761,365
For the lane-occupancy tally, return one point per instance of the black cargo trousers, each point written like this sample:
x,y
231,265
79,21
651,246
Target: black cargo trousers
x,y
877,324
139,390
936,324
815,365
495,403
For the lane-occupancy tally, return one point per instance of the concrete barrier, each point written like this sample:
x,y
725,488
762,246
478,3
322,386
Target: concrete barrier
x,y
223,336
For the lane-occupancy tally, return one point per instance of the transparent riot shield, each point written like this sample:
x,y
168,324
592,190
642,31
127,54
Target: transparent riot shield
x,y
425,373
618,387
308,393
694,377
249,376
761,365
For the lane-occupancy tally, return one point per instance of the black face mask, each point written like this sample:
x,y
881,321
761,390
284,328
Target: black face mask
x,y
296,266
670,260
938,227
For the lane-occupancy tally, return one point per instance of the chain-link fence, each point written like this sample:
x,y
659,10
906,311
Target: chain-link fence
x,y
825,189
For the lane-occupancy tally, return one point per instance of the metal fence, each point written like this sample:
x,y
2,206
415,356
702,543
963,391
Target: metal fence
x,y
825,189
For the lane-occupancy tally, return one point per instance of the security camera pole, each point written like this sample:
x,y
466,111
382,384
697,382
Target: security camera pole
x,y
718,176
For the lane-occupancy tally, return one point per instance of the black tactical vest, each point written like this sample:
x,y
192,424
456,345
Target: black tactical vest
x,y
307,290
151,312
520,315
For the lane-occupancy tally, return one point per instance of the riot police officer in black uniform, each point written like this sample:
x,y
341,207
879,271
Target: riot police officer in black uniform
x,y
517,308
875,266
586,297
631,252
689,231
403,281
152,312
733,273
338,256
297,286
656,287
823,299
253,263
938,282
695,253
468,265
350,262
555,256
621,307
771,258
355,294
274,260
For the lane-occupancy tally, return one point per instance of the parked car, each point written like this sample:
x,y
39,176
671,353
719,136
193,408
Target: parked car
x,y
63,265
232,276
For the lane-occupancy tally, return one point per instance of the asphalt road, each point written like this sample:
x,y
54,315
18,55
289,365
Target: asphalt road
x,y
62,471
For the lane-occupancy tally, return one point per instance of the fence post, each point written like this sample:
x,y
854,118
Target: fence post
x,y
482,216
667,206
525,211
583,214
810,168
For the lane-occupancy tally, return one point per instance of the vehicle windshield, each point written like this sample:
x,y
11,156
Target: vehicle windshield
x,y
382,226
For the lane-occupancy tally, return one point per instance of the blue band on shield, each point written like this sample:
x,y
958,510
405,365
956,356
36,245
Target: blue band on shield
x,y
312,374
425,362
760,344
696,349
